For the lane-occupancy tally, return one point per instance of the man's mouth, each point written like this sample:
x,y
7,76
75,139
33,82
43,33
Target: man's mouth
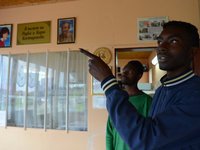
x,y
123,78
163,58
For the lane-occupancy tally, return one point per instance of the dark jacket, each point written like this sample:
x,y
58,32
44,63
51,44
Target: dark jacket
x,y
174,122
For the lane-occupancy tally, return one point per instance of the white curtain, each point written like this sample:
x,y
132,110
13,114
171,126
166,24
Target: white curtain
x,y
17,90
57,87
78,89
3,81
36,90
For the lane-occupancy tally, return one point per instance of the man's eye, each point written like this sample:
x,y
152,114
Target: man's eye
x,y
127,71
173,41
159,42
130,71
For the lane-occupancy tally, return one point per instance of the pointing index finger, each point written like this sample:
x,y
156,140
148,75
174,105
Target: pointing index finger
x,y
86,53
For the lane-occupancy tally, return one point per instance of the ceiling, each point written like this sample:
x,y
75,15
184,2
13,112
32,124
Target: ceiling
x,y
19,3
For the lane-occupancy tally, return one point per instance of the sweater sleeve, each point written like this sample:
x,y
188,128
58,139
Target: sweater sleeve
x,y
175,128
109,135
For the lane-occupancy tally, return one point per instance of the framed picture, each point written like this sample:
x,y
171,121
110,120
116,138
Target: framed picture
x,y
66,31
34,33
96,87
150,28
99,101
5,35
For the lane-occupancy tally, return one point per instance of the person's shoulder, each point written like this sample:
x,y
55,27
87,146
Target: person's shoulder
x,y
60,35
2,44
146,95
143,96
196,77
70,34
194,80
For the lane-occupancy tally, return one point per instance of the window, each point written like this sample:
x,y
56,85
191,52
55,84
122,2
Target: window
x,y
55,96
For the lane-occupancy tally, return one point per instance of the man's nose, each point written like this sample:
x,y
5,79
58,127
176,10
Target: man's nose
x,y
124,72
162,48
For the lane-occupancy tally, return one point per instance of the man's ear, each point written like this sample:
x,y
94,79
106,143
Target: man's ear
x,y
192,52
139,76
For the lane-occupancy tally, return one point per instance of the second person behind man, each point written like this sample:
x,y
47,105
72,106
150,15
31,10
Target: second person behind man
x,y
131,74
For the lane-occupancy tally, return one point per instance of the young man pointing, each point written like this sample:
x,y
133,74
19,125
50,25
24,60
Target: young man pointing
x,y
174,122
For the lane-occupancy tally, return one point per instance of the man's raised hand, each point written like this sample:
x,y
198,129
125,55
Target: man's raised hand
x,y
97,67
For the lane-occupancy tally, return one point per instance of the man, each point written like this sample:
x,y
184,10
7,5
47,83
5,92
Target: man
x,y
174,122
65,36
3,36
131,74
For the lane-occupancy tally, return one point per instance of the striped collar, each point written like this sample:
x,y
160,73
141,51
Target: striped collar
x,y
178,79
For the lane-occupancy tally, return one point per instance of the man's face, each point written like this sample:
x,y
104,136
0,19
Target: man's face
x,y
65,28
129,75
172,51
5,36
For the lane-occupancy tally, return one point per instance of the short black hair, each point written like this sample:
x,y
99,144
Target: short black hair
x,y
138,65
3,30
190,29
66,23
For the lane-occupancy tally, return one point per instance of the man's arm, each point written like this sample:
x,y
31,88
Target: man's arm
x,y
174,128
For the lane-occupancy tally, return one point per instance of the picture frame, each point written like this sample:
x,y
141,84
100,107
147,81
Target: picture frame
x,y
34,33
99,101
5,35
96,86
66,30
150,28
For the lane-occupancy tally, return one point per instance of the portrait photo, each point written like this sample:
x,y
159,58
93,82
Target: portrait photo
x,y
66,31
5,35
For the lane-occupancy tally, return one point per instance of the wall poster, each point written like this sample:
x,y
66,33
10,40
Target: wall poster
x,y
5,35
96,87
99,101
66,30
34,33
150,28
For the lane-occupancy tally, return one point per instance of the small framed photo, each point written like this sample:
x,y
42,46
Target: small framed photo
x,y
99,101
66,31
5,35
96,87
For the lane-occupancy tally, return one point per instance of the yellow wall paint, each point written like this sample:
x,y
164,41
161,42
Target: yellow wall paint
x,y
111,24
